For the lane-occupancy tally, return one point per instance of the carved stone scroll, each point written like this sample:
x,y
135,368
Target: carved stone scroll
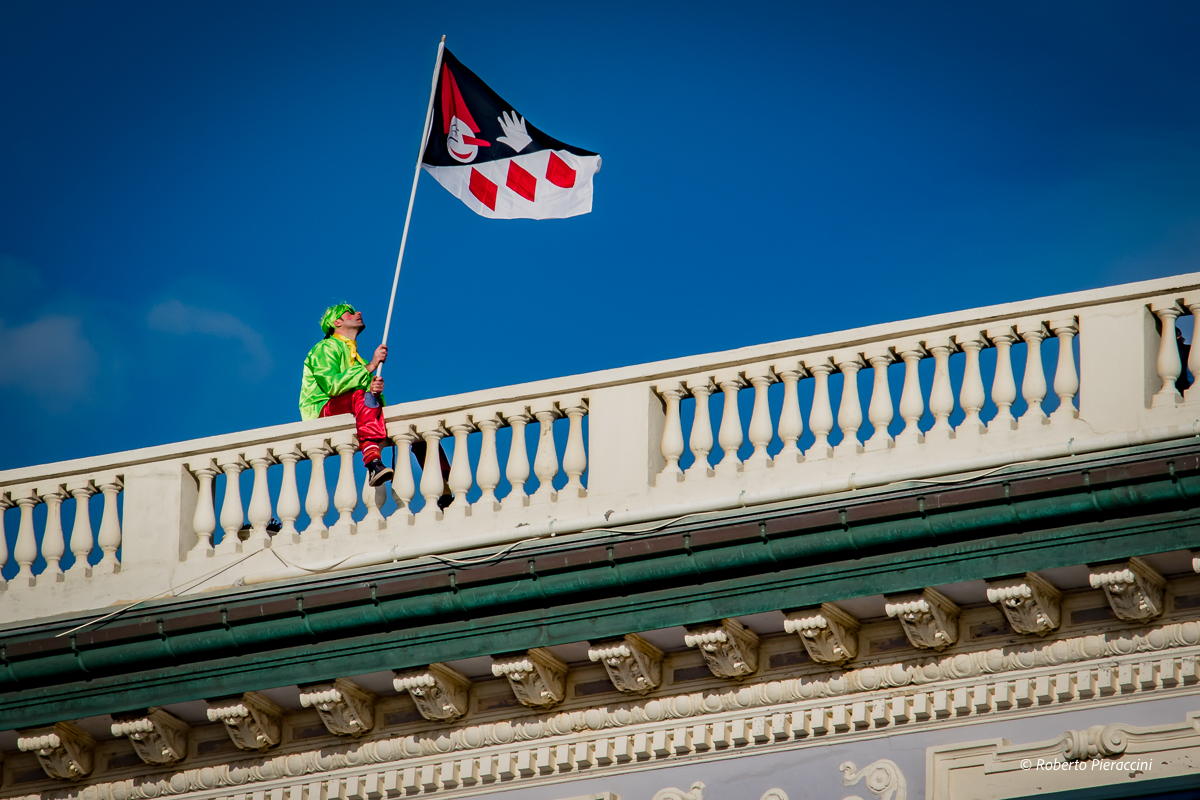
x,y
346,708
883,778
252,721
671,793
64,751
158,737
1134,590
930,619
830,636
538,678
1031,604
729,648
1098,741
439,691
633,664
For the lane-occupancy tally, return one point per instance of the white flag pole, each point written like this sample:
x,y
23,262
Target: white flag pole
x,y
413,194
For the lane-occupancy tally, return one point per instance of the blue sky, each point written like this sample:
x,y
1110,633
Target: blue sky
x,y
185,187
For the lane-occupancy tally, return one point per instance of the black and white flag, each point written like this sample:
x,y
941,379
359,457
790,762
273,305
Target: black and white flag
x,y
490,157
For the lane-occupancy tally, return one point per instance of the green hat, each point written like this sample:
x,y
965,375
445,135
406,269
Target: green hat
x,y
332,313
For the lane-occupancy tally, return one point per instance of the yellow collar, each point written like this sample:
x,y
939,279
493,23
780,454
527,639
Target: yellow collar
x,y
350,343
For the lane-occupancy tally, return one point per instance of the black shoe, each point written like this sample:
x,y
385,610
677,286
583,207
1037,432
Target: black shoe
x,y
444,501
378,473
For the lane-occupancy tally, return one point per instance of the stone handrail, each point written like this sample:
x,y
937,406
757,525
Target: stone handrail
x,y
161,533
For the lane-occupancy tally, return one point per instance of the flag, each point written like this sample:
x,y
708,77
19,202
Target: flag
x,y
489,156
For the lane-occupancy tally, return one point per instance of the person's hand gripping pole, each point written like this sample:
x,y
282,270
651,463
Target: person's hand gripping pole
x,y
376,388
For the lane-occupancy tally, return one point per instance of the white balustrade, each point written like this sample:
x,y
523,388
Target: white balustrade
x,y
1120,383
1193,364
5,505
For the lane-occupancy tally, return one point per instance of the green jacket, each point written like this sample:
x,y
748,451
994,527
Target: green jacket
x,y
330,369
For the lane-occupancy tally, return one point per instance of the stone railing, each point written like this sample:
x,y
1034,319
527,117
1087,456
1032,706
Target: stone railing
x,y
611,448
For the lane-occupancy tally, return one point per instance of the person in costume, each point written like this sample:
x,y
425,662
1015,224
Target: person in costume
x,y
336,380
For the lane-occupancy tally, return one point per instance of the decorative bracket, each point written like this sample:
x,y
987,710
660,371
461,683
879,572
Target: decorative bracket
x,y
930,619
538,677
252,721
346,708
439,691
1031,603
830,636
1134,590
158,737
64,751
729,648
633,664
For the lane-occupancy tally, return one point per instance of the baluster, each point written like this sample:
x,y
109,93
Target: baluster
x,y
1033,387
82,540
345,494
729,435
5,505
460,481
761,430
517,468
701,439
374,498
487,472
1168,364
1066,378
288,505
545,460
404,487
879,412
316,499
260,500
1004,388
232,515
972,396
575,455
672,437
820,418
54,547
1193,363
110,528
941,394
204,520
912,401
850,414
26,549
432,482
791,421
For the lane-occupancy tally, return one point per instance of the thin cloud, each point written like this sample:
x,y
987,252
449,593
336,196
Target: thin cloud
x,y
175,317
49,358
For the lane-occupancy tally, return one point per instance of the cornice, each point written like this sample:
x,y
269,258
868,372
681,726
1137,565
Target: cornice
x,y
885,699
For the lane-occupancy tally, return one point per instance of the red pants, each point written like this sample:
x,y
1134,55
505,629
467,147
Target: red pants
x,y
368,422
371,430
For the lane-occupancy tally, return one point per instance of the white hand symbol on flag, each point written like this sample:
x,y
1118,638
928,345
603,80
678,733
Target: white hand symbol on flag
x,y
515,135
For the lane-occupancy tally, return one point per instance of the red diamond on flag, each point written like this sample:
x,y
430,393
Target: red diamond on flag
x,y
520,181
483,189
558,173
